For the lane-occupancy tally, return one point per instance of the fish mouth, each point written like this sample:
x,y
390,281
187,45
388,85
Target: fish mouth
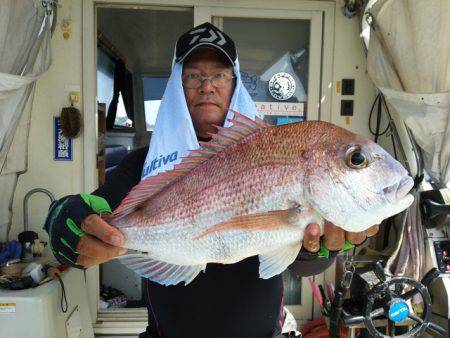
x,y
364,222
400,205
398,190
395,199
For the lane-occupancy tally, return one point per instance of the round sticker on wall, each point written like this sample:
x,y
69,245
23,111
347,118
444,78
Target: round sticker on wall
x,y
282,86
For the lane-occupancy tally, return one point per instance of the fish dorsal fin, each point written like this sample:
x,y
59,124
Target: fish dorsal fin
x,y
242,126
242,120
147,188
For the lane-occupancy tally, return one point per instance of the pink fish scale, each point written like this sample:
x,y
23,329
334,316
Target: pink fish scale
x,y
262,172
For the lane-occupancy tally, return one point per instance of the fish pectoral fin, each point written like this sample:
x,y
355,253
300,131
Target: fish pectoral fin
x,y
159,271
275,262
270,220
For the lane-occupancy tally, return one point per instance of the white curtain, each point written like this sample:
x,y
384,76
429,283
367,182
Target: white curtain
x,y
409,61
25,31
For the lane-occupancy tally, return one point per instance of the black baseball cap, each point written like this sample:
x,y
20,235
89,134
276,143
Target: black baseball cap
x,y
205,35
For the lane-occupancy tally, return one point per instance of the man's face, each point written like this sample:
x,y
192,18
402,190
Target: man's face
x,y
207,104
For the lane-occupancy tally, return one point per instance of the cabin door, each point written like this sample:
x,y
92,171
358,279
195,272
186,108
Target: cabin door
x,y
285,53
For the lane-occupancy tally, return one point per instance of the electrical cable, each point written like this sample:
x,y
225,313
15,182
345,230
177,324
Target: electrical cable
x,y
416,150
391,128
418,156
64,304
377,130
379,99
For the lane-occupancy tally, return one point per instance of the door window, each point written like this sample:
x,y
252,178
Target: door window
x,y
273,56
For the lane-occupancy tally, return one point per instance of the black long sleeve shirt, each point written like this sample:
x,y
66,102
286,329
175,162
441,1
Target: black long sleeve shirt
x,y
228,300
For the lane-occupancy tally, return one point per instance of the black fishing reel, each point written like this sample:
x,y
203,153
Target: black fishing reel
x,y
384,297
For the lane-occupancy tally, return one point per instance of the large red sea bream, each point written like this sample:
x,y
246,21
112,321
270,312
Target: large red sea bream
x,y
252,190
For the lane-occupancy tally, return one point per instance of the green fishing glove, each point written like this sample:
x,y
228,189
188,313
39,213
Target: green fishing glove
x,y
63,224
325,253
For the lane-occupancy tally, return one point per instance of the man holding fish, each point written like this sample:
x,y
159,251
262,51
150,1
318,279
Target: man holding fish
x,y
214,232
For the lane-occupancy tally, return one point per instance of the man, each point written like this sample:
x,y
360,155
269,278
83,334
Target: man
x,y
227,300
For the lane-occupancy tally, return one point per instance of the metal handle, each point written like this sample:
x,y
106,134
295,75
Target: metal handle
x,y
429,277
435,328
432,209
25,203
379,271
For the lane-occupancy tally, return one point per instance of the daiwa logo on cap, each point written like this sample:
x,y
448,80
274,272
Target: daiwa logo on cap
x,y
213,35
205,34
158,162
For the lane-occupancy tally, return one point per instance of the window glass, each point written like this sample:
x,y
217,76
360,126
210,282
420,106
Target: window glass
x,y
105,78
145,40
273,56
153,89
121,115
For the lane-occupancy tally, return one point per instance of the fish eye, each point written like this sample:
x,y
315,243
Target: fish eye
x,y
356,159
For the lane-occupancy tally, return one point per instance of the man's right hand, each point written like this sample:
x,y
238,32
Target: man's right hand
x,y
100,244
78,236
334,238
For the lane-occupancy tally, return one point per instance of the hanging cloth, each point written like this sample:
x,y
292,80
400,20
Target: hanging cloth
x,y
409,61
123,84
174,133
25,32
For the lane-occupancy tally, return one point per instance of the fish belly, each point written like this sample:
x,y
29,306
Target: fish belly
x,y
225,247
181,243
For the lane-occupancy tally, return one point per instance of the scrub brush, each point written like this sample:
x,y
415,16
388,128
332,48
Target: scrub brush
x,y
71,120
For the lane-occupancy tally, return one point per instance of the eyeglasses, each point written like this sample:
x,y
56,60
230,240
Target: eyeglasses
x,y
195,80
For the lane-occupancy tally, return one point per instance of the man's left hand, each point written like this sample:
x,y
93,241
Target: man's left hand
x,y
333,237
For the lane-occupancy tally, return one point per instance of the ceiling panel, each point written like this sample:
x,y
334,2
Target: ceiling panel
x,y
145,37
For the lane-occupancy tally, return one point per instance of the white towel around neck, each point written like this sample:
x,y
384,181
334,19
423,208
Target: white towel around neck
x,y
174,133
